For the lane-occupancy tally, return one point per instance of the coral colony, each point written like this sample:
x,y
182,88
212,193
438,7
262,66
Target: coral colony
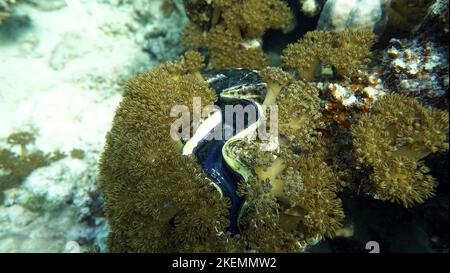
x,y
239,125
348,133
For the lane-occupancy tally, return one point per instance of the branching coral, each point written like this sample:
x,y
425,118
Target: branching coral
x,y
392,140
346,51
231,30
160,200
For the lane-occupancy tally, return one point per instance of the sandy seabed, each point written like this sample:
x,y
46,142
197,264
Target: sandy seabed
x,y
62,66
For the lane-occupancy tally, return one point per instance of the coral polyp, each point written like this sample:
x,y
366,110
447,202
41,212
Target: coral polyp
x,y
185,210
347,51
393,139
232,31
231,195
224,126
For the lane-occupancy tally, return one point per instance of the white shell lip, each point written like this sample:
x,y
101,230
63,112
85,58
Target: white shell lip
x,y
203,130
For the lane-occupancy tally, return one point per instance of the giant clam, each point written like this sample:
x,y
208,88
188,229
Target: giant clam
x,y
233,87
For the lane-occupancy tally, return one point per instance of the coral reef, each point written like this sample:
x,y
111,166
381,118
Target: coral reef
x,y
362,137
392,139
291,194
347,51
36,187
343,129
231,31
346,133
185,213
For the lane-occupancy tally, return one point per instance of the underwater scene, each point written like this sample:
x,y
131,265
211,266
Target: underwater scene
x,y
224,126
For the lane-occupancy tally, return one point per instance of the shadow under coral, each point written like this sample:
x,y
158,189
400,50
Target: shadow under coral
x,y
421,229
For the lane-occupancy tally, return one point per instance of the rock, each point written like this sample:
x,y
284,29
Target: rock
x,y
338,15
